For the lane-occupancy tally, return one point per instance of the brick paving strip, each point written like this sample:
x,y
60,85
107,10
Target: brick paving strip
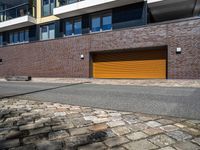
x,y
31,125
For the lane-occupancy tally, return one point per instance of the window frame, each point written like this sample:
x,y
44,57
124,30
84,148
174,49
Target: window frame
x,y
72,20
48,31
49,8
101,15
12,36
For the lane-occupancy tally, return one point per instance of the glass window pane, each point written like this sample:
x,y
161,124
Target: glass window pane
x,y
77,26
52,3
16,37
11,37
96,22
1,40
44,33
26,35
68,27
46,8
52,31
107,22
21,36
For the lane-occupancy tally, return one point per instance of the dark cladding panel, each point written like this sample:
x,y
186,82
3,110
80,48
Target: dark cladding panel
x,y
128,16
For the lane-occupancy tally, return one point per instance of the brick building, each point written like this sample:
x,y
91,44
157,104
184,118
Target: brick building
x,y
153,39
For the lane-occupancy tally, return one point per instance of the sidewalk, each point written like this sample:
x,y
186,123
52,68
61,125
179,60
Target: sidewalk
x,y
160,83
43,125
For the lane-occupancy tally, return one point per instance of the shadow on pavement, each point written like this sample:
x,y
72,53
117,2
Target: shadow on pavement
x,y
42,90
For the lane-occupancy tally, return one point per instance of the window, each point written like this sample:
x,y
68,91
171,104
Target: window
x,y
96,24
47,7
1,40
47,32
101,22
19,37
73,26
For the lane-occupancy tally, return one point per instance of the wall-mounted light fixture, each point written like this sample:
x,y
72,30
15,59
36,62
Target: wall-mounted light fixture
x,y
178,50
82,56
1,61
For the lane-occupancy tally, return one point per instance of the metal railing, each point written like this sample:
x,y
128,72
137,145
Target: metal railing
x,y
67,2
17,11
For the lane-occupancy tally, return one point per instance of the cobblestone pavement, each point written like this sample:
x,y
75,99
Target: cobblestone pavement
x,y
27,125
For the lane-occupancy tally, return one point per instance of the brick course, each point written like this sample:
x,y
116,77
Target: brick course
x,y
61,57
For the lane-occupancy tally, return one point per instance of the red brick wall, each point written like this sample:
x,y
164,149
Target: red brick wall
x,y
61,57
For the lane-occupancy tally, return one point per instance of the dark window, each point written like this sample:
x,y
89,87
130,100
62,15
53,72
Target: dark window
x,y
101,22
21,36
1,40
47,32
47,7
73,26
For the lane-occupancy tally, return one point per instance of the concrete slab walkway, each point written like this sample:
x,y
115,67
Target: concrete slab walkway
x,y
161,83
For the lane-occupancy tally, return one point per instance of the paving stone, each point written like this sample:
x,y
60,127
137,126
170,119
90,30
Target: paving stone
x,y
136,136
193,122
115,123
117,148
162,140
98,127
39,130
30,126
49,145
80,122
94,146
92,118
115,141
34,139
101,120
43,120
186,145
153,124
58,135
153,131
79,131
179,135
58,114
140,145
196,140
25,147
131,119
192,131
169,128
167,148
9,143
64,126
165,121
121,130
180,125
138,127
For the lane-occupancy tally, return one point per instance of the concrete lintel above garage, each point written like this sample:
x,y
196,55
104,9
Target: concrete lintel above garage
x,y
89,6
16,23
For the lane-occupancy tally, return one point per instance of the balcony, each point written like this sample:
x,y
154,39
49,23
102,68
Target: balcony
x,y
69,8
17,17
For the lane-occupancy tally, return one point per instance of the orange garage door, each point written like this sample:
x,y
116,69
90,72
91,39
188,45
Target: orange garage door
x,y
140,64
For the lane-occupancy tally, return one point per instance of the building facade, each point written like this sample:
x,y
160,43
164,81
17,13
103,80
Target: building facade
x,y
153,39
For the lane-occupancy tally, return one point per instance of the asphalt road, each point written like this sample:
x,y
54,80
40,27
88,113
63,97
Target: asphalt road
x,y
179,102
